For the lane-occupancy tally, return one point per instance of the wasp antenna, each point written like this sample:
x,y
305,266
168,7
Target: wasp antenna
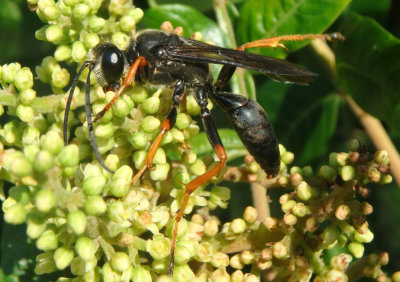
x,y
88,111
69,101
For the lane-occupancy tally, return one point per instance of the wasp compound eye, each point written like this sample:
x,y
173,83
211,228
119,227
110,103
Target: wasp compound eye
x,y
110,63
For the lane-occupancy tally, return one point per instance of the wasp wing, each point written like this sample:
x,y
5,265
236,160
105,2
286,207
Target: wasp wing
x,y
277,69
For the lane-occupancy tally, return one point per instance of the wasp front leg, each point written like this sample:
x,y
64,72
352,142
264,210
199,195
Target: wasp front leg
x,y
168,123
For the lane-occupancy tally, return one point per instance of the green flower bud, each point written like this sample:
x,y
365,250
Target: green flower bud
x,y
287,158
76,220
183,273
198,167
386,179
120,39
247,257
250,214
23,79
127,23
211,227
150,124
396,276
184,251
279,250
139,158
104,130
93,185
381,157
45,200
69,156
21,167
122,106
27,96
90,40
151,105
20,194
160,157
11,133
235,262
51,13
138,94
177,135
35,226
120,261
95,205
192,108
308,171
299,210
60,78
96,24
365,237
270,223
347,172
189,156
238,226
85,248
30,151
124,172
304,191
80,266
52,142
356,249
112,161
15,214
80,11
9,71
289,219
30,136
63,257
219,196
159,247
237,276
182,121
296,170
25,113
139,140
160,173
287,206
343,212
44,161
118,187
330,236
54,33
374,175
327,172
47,241
193,129
78,52
141,274
181,178
136,14
45,263
117,212
220,260
204,252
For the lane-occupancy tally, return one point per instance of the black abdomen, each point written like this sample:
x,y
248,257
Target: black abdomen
x,y
254,129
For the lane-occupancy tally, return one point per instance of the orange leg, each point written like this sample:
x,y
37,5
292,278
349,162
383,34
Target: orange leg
x,y
169,122
139,62
275,41
219,150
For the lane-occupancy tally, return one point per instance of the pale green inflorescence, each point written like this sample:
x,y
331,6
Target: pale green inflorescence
x,y
94,223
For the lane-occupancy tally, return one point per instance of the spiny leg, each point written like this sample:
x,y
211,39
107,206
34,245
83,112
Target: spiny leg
x,y
88,111
69,100
227,71
168,123
219,150
139,62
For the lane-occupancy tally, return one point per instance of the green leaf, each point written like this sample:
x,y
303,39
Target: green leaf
x,y
233,146
267,18
368,64
185,16
304,118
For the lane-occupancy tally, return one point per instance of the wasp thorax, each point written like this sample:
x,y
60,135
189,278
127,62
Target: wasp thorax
x,y
110,63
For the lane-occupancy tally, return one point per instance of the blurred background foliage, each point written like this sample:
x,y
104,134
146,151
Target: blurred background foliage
x,y
309,121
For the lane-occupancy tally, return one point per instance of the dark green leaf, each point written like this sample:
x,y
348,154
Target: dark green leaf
x,y
229,138
180,15
266,18
368,64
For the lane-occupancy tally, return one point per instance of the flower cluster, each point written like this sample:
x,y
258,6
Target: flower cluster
x,y
93,223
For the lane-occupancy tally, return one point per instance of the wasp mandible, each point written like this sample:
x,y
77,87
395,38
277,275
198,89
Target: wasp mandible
x,y
182,64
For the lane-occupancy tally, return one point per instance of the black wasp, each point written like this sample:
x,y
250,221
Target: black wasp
x,y
166,59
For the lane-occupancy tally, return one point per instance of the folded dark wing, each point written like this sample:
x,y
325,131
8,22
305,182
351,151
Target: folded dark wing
x,y
277,69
